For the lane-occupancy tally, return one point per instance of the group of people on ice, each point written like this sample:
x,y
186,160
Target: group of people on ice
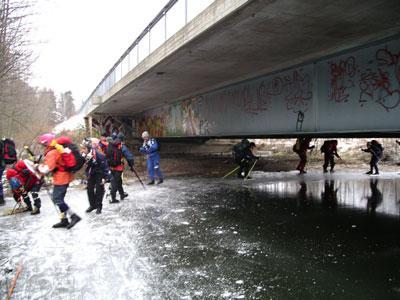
x,y
329,149
104,159
244,157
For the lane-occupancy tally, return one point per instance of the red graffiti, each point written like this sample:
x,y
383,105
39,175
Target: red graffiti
x,y
255,104
297,89
377,86
341,82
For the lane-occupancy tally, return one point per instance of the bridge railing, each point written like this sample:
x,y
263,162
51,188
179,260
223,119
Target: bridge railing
x,y
173,17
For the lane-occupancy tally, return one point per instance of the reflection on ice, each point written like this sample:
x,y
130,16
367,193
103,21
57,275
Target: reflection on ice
x,y
372,194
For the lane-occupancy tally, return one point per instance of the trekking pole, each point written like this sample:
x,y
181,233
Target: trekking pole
x,y
235,169
251,169
344,162
15,206
140,180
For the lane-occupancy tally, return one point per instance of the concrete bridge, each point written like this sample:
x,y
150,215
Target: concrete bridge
x,y
259,68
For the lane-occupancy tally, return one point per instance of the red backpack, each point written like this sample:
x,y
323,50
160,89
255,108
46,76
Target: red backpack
x,y
73,160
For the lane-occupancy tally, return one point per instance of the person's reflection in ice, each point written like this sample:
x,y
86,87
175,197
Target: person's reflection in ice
x,y
329,195
376,197
304,200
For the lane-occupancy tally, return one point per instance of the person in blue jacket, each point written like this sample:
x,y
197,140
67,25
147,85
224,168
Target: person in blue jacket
x,y
150,147
97,173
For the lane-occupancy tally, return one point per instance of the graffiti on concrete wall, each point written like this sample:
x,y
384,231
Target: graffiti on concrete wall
x,y
342,79
381,83
175,120
376,81
106,124
354,90
290,92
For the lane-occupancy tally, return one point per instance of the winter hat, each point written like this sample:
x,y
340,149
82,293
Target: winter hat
x,y
114,135
145,134
15,183
47,138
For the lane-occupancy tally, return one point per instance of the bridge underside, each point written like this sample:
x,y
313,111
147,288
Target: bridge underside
x,y
274,68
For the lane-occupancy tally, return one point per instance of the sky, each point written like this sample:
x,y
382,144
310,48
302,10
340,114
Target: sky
x,y
78,41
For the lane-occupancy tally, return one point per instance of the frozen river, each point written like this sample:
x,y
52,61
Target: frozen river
x,y
277,236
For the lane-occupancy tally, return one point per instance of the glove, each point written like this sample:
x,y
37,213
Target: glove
x,y
257,157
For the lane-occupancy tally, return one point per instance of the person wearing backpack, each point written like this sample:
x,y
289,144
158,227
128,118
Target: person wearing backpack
x,y
243,156
103,143
329,148
150,148
376,150
117,152
97,173
301,147
22,182
59,159
8,156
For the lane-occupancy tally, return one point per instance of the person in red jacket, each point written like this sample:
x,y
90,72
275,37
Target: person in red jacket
x,y
301,147
54,162
22,182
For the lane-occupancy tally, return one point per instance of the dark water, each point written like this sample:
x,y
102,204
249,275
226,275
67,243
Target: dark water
x,y
277,236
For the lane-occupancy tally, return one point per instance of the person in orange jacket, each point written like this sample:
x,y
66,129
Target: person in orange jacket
x,y
53,162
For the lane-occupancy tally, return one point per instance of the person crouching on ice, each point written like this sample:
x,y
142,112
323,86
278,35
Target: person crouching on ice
x,y
22,181
55,161
150,147
97,173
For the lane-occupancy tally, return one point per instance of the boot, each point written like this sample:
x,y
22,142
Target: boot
x,y
98,211
74,219
35,211
325,170
63,223
150,182
124,196
90,209
2,202
369,172
114,201
28,204
160,181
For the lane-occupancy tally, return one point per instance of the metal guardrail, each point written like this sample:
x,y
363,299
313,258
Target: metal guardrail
x,y
173,17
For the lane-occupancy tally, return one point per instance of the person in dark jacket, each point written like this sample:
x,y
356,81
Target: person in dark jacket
x,y
97,173
301,147
117,153
103,143
243,156
376,151
329,148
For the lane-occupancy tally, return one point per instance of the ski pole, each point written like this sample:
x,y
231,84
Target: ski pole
x,y
235,169
344,162
140,180
15,206
251,169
